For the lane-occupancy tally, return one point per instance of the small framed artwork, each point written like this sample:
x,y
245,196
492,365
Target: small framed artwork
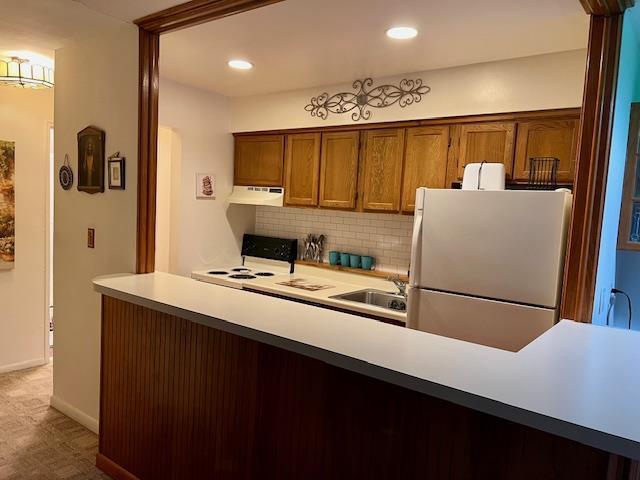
x,y
91,160
116,172
206,186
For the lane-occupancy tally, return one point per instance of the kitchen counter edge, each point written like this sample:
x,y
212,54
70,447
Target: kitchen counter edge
x,y
182,297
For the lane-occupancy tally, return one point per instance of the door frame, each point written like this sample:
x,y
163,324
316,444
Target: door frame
x,y
593,145
48,232
594,148
150,28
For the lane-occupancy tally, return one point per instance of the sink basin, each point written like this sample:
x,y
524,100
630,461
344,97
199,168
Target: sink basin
x,y
378,298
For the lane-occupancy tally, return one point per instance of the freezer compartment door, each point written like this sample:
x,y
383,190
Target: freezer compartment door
x,y
487,322
506,245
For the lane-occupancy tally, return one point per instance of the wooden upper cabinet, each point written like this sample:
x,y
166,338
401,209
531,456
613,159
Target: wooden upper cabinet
x,y
339,170
302,169
425,162
547,138
487,142
259,160
382,169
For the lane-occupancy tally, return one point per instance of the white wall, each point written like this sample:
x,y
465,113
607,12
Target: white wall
x,y
25,116
530,83
168,182
204,233
96,84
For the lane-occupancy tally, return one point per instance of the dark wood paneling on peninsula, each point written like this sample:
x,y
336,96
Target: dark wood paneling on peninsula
x,y
183,401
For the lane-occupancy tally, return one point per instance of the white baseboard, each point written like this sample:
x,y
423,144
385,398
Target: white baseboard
x,y
72,412
36,362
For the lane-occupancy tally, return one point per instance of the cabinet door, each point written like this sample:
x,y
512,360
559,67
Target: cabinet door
x,y
339,169
259,160
487,142
302,169
382,170
547,138
425,162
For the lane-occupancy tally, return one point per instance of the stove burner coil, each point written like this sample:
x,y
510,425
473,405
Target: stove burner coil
x,y
265,274
217,272
242,276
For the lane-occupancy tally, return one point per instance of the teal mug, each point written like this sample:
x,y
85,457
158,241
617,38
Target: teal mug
x,y
354,261
334,258
344,259
367,262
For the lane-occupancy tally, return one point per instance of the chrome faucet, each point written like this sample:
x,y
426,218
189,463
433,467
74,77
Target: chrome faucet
x,y
401,285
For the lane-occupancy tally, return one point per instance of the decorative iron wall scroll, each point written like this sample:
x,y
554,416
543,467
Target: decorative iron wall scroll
x,y
366,97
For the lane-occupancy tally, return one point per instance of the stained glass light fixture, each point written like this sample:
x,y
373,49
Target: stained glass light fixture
x,y
19,72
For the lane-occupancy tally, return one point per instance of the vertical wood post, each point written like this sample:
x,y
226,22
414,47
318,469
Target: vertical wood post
x,y
594,146
147,150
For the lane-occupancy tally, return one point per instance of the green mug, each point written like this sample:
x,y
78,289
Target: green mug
x,y
367,262
334,258
354,261
344,259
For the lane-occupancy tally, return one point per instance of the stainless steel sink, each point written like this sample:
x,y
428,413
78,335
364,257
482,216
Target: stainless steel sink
x,y
378,298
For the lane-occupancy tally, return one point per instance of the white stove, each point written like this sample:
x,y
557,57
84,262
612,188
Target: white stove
x,y
240,275
263,257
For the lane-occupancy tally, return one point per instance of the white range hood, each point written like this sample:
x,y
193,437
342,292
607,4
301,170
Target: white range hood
x,y
248,195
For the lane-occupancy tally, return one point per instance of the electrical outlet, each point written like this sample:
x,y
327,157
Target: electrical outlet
x,y
91,238
612,299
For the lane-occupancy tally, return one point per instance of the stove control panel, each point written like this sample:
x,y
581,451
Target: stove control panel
x,y
271,248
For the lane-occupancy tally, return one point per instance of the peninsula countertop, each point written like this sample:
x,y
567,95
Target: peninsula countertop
x,y
576,381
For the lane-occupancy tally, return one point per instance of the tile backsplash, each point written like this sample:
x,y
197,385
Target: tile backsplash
x,y
383,236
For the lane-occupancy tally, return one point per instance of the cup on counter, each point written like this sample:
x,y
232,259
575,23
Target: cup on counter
x,y
354,261
334,258
367,262
344,259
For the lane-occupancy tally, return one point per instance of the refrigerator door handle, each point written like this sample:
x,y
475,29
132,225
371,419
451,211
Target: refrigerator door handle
x,y
416,241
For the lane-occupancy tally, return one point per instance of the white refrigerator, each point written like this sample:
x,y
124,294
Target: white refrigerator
x,y
486,266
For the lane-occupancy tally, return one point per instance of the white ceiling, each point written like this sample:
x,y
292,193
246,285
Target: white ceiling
x,y
129,10
35,28
306,43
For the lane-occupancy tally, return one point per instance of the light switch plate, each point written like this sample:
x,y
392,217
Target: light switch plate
x,y
91,238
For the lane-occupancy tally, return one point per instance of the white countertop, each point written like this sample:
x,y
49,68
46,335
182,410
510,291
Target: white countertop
x,y
336,287
577,381
338,283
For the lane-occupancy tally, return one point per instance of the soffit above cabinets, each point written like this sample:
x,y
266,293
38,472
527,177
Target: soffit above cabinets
x,y
307,43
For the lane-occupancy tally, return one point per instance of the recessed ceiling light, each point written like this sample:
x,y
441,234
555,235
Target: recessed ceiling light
x,y
402,33
240,64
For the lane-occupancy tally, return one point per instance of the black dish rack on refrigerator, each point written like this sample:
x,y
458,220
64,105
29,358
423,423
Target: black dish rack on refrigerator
x,y
543,173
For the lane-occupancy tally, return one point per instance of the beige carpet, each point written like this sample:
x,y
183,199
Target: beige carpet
x,y
36,441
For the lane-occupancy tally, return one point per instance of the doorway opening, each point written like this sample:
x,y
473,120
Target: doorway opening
x,y
617,291
49,323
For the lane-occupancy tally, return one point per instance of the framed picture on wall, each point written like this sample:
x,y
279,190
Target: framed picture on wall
x,y
206,186
116,172
7,204
91,160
